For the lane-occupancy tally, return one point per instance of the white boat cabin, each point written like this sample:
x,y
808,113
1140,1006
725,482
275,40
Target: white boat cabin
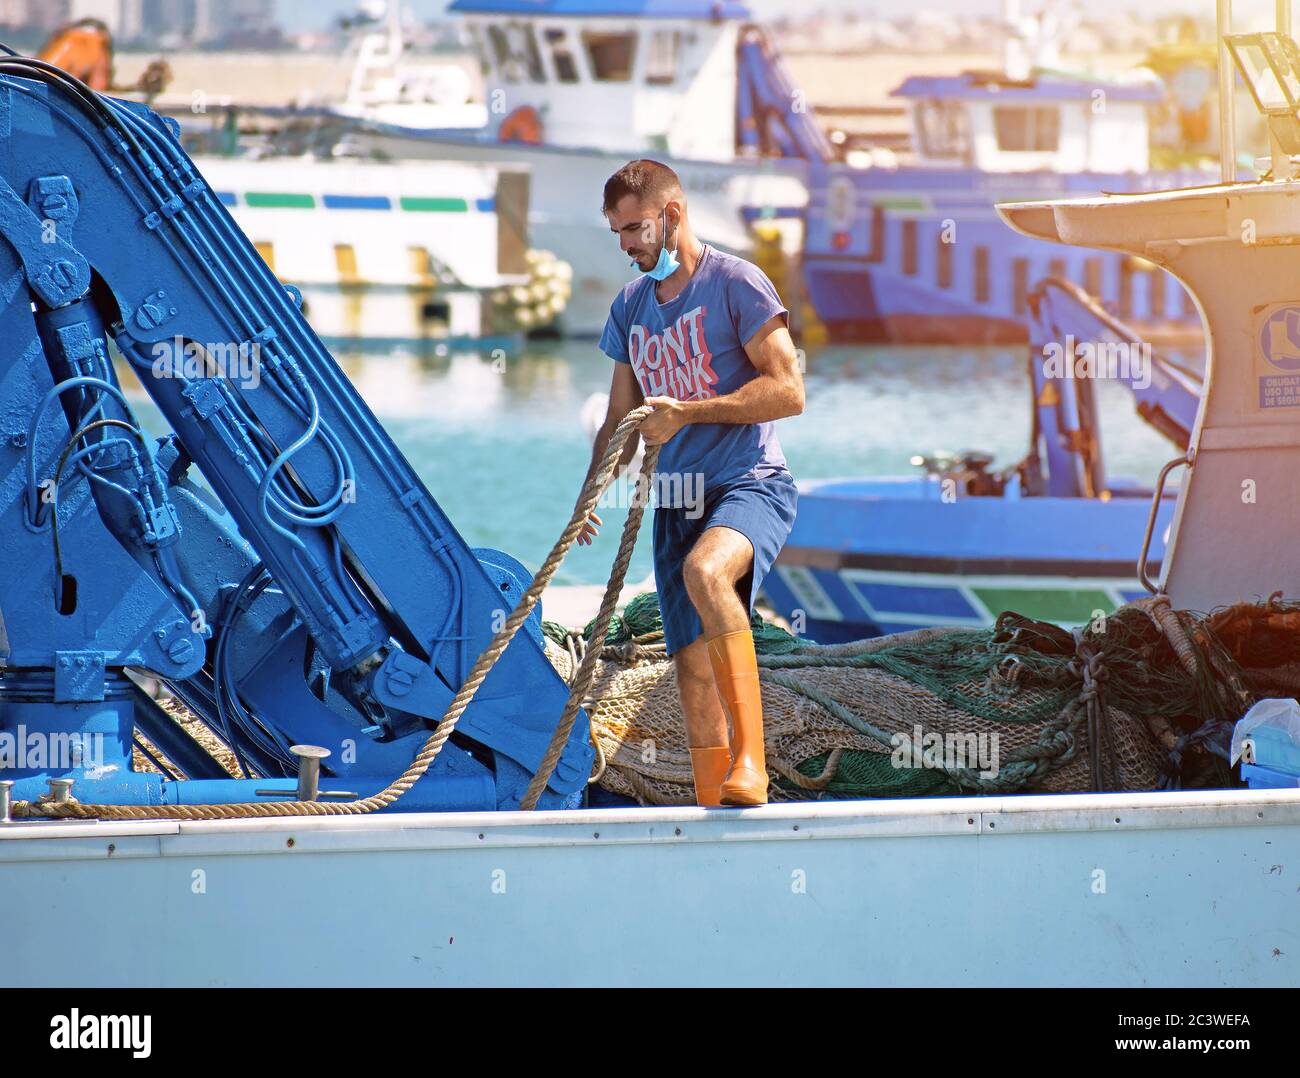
x,y
639,76
1055,123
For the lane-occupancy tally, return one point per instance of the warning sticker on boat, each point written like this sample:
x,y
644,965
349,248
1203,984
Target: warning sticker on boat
x,y
1277,357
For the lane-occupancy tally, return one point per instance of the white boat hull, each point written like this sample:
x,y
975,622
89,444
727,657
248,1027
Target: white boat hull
x,y
362,246
1189,888
565,198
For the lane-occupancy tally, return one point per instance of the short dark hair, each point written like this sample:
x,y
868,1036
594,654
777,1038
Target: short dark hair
x,y
648,180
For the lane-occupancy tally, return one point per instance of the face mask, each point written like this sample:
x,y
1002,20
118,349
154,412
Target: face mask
x,y
667,264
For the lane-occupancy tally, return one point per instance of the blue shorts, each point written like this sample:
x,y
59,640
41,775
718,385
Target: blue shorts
x,y
760,509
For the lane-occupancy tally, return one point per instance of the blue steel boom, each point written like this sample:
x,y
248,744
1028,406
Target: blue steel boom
x,y
308,590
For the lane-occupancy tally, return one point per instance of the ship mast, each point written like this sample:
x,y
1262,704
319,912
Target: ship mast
x,y
1267,64
1227,88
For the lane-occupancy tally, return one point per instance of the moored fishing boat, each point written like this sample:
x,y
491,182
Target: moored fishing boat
x,y
1054,534
356,625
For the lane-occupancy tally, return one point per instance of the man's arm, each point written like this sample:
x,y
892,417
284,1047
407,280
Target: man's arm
x,y
777,392
624,395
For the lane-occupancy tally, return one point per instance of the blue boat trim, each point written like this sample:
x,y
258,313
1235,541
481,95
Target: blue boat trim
x,y
356,202
764,213
642,9
940,603
855,603
974,84
231,199
508,342
819,558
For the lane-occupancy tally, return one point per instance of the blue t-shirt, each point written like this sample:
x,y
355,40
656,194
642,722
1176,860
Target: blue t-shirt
x,y
693,348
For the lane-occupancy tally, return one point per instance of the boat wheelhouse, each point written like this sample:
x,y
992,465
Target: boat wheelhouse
x,y
917,252
575,88
990,122
624,75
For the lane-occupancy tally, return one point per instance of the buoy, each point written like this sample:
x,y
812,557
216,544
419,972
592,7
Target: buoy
x,y
522,125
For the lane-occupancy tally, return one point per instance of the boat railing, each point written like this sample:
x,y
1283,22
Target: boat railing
x,y
1167,391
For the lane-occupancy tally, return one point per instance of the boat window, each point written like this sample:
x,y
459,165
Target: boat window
x,y
561,50
877,252
1092,277
514,47
1126,289
943,262
1034,129
345,261
500,48
611,55
1020,285
479,47
942,129
1156,297
661,57
421,264
983,286
909,248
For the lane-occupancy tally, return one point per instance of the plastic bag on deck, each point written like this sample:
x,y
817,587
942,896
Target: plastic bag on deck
x,y
1274,721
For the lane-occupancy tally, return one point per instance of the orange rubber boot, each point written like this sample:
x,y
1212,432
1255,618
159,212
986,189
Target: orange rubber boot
x,y
710,767
735,668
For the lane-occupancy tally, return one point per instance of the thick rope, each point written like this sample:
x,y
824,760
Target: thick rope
x,y
429,752
1087,667
590,660
1167,620
790,773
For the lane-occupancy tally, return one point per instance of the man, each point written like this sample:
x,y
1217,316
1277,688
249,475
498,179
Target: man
x,y
703,337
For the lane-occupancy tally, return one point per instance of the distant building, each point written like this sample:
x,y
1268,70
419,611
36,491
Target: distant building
x,y
109,12
233,21
13,13
162,19
126,19
155,22
41,15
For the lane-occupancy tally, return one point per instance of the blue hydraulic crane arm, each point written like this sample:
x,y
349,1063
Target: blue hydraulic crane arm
x,y
773,118
1073,340
115,229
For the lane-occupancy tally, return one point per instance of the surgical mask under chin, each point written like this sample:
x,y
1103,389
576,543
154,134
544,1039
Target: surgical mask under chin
x,y
667,264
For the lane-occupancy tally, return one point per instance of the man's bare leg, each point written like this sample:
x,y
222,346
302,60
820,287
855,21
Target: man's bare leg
x,y
718,560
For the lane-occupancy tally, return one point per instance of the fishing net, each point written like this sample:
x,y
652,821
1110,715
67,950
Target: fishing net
x,y
1141,699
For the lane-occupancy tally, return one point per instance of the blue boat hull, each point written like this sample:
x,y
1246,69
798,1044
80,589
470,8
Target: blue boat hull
x,y
868,557
920,255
